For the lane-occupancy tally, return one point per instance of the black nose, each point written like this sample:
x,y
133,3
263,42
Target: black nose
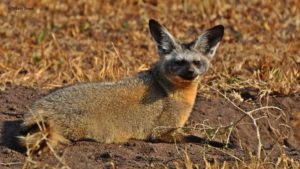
x,y
189,74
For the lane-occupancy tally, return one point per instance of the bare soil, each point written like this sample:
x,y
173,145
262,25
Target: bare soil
x,y
276,136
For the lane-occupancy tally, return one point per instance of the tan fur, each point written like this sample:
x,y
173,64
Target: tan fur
x,y
188,96
186,93
113,112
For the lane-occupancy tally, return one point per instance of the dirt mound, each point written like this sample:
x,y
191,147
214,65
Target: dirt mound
x,y
211,118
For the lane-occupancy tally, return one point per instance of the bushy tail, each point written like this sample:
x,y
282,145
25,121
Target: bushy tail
x,y
39,134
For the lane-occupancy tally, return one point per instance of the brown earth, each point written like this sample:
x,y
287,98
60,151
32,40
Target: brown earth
x,y
276,136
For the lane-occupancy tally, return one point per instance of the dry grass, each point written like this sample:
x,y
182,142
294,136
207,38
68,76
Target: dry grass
x,y
48,44
33,144
282,162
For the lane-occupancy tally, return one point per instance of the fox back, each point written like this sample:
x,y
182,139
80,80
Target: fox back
x,y
133,108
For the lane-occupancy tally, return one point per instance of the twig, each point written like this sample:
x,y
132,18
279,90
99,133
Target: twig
x,y
254,120
249,114
11,163
231,155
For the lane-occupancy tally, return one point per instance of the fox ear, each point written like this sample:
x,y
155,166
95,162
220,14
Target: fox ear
x,y
165,42
208,42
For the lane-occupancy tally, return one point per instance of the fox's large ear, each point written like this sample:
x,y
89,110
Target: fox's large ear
x,y
165,42
208,42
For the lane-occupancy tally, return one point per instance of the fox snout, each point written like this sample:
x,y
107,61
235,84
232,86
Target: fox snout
x,y
189,72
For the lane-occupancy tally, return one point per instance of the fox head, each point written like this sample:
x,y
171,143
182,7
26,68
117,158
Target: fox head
x,y
182,63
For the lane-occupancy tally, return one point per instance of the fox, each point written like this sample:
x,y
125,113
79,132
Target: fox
x,y
150,106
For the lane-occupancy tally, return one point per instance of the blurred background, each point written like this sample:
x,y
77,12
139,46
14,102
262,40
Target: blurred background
x,y
45,44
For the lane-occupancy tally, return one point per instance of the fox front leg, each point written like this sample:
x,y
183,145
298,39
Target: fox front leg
x,y
166,134
176,135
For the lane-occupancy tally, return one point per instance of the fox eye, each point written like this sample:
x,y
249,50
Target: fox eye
x,y
198,63
180,62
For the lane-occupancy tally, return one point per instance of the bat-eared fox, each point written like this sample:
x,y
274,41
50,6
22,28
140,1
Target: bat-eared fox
x,y
151,106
